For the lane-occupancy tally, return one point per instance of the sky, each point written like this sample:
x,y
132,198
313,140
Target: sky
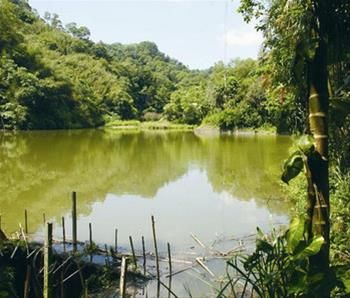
x,y
195,32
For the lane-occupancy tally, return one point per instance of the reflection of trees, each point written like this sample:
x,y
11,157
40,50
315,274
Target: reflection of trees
x,y
247,167
40,169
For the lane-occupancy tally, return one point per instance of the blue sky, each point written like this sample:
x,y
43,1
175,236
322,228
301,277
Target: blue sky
x,y
197,33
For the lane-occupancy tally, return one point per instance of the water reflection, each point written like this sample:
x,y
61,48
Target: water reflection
x,y
188,178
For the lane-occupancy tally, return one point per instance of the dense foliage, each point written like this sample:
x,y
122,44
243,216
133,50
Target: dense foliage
x,y
53,76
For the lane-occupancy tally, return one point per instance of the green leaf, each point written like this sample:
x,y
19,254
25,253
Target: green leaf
x,y
292,167
263,245
295,234
306,144
297,284
346,283
260,232
312,249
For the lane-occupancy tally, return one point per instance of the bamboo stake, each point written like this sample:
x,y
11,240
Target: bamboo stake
x,y
155,247
107,256
116,241
123,270
170,268
64,234
26,221
47,261
90,235
74,220
169,258
158,288
144,255
133,252
62,284
170,291
86,289
27,282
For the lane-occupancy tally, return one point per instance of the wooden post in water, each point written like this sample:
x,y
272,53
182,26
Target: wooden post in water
x,y
64,234
107,256
44,219
47,261
122,282
169,258
144,255
90,235
74,220
155,247
116,241
170,267
26,221
133,252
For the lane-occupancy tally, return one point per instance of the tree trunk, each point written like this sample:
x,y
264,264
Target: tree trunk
x,y
318,188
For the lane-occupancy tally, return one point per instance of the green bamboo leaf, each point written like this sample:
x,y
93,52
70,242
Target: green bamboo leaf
x,y
292,167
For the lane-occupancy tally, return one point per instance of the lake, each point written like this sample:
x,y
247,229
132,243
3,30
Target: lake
x,y
217,187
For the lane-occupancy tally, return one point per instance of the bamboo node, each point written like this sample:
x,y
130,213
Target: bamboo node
x,y
317,114
317,136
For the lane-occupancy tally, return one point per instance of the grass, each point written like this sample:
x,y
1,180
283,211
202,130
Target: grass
x,y
147,125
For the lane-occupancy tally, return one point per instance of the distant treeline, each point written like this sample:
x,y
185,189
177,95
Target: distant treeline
x,y
53,76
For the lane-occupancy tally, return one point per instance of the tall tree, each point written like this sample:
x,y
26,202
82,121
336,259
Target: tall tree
x,y
301,39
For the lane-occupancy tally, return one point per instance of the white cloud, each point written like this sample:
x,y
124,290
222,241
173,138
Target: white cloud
x,y
242,38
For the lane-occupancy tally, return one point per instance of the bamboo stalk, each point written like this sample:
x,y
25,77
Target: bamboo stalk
x,y
199,261
198,241
70,276
74,220
155,246
47,261
144,255
123,270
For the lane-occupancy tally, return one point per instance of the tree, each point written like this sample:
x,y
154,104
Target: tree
x,y
9,37
78,32
299,37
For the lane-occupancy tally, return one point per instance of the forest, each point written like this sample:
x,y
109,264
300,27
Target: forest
x,y
53,76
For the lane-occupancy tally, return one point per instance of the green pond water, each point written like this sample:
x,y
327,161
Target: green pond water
x,y
215,187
